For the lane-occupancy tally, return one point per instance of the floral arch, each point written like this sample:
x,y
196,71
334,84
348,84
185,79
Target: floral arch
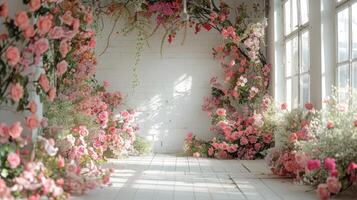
x,y
48,65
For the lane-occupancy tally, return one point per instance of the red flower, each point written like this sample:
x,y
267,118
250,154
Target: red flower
x,y
330,125
207,26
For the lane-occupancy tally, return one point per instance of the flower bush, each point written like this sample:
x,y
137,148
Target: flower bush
x,y
332,160
195,147
286,159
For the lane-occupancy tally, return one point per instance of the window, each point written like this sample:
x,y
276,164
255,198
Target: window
x,y
297,52
346,70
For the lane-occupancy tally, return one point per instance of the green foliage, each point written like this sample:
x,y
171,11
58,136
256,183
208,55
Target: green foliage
x,y
141,146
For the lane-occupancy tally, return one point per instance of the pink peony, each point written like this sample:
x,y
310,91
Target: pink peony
x,y
44,24
22,20
34,5
313,164
4,10
323,192
221,112
16,92
44,83
14,160
61,68
15,130
330,164
333,184
41,46
32,122
12,55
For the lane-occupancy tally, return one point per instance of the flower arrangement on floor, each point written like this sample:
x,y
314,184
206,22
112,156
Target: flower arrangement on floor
x,y
286,159
317,147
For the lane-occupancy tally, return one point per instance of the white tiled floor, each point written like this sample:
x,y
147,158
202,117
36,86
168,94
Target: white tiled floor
x,y
168,177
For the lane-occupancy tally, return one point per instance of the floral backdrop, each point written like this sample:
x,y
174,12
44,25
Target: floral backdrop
x,y
47,50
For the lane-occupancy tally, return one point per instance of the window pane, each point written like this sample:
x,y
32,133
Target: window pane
x,y
343,76
304,6
287,20
354,30
343,82
295,92
288,92
304,89
305,52
343,35
354,76
294,16
292,56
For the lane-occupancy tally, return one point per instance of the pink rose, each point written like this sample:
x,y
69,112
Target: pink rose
x,y
61,68
32,122
106,179
14,160
330,164
244,141
309,106
12,55
52,94
34,197
284,106
221,112
293,137
313,164
41,46
64,48
4,10
44,83
16,91
29,32
88,18
330,125
333,184
196,155
32,106
34,5
83,131
257,146
253,139
56,33
75,24
355,123
22,20
267,138
44,24
15,130
322,192
210,151
67,18
60,162
351,168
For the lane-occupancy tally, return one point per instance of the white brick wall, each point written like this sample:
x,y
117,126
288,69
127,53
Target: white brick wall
x,y
169,97
172,88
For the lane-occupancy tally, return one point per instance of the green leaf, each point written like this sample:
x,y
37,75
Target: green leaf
x,y
4,173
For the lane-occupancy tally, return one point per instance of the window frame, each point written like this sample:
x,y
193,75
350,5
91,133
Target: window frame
x,y
340,6
297,33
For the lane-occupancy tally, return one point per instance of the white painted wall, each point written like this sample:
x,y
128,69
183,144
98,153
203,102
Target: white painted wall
x,y
172,87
